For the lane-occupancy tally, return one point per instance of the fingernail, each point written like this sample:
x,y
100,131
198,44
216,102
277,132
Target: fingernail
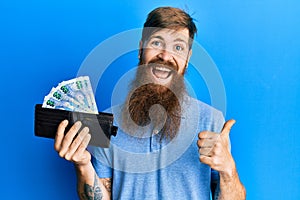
x,y
86,129
78,123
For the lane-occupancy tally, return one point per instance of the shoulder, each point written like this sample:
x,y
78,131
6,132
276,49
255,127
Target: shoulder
x,y
208,116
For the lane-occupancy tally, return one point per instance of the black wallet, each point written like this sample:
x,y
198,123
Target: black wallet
x,y
101,128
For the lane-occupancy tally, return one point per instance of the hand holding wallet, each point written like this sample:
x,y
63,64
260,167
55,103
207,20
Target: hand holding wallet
x,y
100,125
74,100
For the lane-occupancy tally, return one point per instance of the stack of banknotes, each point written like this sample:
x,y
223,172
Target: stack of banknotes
x,y
72,95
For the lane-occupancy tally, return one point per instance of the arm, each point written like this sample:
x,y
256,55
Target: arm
x,y
90,186
231,186
73,148
214,151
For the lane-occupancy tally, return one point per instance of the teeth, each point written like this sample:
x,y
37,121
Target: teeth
x,y
163,69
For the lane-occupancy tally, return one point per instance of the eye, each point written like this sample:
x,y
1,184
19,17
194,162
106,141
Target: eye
x,y
156,43
179,48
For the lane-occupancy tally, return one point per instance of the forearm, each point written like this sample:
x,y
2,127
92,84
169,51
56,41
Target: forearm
x,y
231,186
89,185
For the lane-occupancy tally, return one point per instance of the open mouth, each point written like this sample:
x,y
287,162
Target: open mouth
x,y
161,72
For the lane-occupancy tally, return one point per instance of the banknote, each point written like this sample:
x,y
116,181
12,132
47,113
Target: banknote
x,y
60,96
62,104
88,90
80,89
72,95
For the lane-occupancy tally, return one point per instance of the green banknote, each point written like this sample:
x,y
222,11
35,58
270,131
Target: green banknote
x,y
72,95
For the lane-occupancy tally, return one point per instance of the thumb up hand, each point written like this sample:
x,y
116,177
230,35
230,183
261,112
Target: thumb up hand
x,y
224,135
214,149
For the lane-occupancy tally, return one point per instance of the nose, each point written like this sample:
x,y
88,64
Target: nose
x,y
165,55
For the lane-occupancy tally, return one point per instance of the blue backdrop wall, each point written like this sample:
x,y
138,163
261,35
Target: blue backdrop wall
x,y
255,45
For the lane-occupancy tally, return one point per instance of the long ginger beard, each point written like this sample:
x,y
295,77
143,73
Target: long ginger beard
x,y
154,106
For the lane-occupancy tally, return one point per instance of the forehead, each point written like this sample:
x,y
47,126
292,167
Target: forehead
x,y
181,34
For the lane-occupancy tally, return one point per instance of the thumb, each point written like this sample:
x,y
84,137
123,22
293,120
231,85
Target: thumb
x,y
227,126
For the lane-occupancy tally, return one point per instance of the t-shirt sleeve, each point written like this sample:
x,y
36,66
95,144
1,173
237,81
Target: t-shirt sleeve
x,y
215,178
101,162
102,157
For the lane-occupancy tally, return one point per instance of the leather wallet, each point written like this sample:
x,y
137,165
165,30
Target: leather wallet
x,y
101,128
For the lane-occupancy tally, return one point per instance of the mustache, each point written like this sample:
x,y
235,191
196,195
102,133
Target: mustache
x,y
157,61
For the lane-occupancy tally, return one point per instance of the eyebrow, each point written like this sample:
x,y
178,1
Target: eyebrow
x,y
176,40
181,40
157,37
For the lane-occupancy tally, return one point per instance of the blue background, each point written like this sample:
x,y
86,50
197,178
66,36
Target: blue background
x,y
255,45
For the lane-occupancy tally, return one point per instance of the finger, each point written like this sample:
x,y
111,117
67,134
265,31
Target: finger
x,y
75,144
227,126
206,142
206,160
68,139
207,134
82,148
203,151
60,134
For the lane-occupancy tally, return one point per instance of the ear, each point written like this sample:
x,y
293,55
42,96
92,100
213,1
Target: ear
x,y
188,59
140,49
189,55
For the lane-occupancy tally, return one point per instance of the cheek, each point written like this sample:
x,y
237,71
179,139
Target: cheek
x,y
182,66
148,54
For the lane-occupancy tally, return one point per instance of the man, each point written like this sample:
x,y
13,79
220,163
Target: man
x,y
169,145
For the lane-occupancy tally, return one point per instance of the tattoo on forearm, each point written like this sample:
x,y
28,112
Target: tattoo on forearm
x,y
92,192
107,184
